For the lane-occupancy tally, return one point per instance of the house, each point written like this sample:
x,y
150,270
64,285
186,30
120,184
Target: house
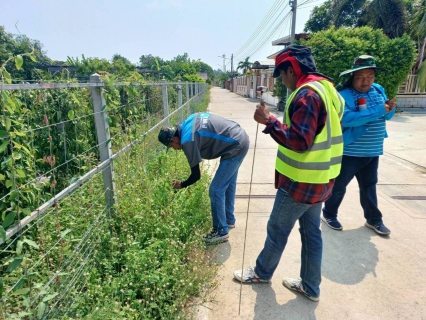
x,y
203,75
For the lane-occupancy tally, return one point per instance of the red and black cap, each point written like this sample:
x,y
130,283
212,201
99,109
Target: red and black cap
x,y
301,54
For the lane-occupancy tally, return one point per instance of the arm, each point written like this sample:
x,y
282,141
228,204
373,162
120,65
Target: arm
x,y
392,105
308,116
356,118
390,114
194,177
193,156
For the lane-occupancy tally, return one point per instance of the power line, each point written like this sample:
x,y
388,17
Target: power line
x,y
269,36
256,46
275,8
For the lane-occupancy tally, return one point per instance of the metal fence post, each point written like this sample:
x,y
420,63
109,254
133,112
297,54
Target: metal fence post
x,y
179,87
190,91
165,101
187,92
104,141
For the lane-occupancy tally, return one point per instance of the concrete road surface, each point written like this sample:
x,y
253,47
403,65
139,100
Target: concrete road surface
x,y
364,275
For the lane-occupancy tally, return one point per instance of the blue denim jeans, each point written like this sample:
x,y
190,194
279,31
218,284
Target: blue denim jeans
x,y
222,192
365,169
284,215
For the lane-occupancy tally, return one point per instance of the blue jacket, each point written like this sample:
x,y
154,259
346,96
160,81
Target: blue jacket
x,y
354,122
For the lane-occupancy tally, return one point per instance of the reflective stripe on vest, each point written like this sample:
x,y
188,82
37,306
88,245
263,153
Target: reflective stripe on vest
x,y
322,161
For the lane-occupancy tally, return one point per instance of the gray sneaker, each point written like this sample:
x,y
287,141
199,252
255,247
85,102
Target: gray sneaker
x,y
296,285
231,226
214,238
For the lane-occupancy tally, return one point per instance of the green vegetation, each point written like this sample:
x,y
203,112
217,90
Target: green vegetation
x,y
143,260
147,261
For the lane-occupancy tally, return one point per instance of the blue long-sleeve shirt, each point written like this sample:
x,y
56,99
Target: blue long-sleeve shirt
x,y
364,130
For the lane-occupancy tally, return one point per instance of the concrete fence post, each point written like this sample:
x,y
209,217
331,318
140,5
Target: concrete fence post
x,y
187,92
254,85
165,102
104,140
179,88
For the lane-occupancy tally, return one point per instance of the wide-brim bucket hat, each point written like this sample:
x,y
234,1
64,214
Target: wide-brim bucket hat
x,y
363,62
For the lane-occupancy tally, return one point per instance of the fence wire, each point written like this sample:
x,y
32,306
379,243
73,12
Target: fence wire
x,y
54,203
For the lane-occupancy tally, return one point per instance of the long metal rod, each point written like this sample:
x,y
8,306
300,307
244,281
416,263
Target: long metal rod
x,y
248,209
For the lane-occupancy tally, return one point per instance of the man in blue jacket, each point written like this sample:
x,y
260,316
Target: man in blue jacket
x,y
364,128
208,136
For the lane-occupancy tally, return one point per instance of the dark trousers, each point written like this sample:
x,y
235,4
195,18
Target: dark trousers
x,y
365,169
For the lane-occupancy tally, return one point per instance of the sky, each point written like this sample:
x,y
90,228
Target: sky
x,y
205,29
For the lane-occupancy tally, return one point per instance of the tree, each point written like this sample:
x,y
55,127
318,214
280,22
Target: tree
x,y
340,13
418,32
320,19
12,45
89,66
245,65
150,62
389,15
122,66
335,49
203,67
346,12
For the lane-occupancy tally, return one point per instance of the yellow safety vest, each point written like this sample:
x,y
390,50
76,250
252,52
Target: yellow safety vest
x,y
322,161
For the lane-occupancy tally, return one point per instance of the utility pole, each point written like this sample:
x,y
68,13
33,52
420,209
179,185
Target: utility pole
x,y
293,4
232,73
224,66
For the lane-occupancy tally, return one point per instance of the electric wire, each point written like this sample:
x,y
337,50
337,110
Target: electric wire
x,y
266,19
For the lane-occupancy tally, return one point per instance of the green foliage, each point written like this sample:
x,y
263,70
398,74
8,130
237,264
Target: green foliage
x,y
422,76
418,23
280,90
320,19
203,67
21,50
245,65
390,15
146,261
335,49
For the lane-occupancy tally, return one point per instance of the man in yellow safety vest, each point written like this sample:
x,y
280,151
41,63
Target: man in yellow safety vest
x,y
310,147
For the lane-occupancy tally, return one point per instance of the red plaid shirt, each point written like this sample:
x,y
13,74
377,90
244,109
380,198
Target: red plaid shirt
x,y
308,116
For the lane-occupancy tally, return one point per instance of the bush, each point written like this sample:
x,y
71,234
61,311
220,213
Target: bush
x,y
335,49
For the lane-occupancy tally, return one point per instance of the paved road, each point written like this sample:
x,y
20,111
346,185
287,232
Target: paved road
x,y
365,276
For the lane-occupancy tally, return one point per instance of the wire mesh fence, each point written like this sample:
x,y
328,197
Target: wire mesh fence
x,y
55,195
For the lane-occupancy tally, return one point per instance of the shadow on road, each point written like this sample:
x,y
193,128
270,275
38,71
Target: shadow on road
x,y
349,255
267,307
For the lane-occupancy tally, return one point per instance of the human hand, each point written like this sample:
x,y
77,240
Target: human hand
x,y
391,103
176,184
387,108
261,115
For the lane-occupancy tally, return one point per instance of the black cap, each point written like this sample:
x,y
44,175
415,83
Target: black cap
x,y
166,134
